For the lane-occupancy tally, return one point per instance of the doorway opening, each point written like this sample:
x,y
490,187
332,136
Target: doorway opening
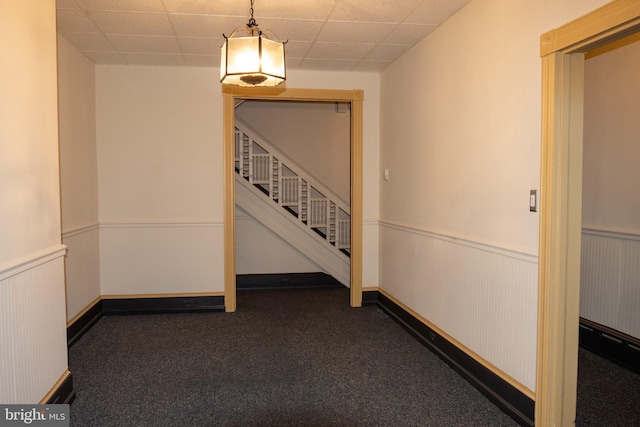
x,y
232,95
563,55
293,186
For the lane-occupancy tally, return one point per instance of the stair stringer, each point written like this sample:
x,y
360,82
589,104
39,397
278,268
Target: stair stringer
x,y
288,227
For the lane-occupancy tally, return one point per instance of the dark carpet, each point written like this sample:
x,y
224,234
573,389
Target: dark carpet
x,y
608,394
285,358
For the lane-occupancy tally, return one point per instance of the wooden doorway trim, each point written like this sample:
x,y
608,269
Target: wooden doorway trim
x,y
562,51
229,96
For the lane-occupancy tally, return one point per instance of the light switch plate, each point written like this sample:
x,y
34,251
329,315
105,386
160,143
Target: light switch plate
x,y
533,201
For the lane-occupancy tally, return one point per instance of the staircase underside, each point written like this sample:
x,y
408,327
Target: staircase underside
x,y
286,224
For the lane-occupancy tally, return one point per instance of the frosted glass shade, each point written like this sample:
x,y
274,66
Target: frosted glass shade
x,y
252,61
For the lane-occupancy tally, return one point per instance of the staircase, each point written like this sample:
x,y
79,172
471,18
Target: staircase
x,y
284,186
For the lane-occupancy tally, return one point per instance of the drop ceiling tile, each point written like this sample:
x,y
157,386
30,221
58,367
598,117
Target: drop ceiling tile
x,y
292,62
75,21
345,30
204,61
435,11
134,23
204,25
145,44
89,42
293,9
373,10
105,57
292,29
327,64
208,7
296,49
201,45
290,9
123,5
387,52
354,51
152,59
371,66
408,33
354,32
66,4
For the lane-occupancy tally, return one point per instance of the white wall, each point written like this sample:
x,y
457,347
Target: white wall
x,y
160,180
311,133
612,140
29,174
33,351
78,176
261,251
610,273
159,138
460,134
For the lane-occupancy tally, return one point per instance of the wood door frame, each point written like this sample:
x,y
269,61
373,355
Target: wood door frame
x,y
562,51
229,96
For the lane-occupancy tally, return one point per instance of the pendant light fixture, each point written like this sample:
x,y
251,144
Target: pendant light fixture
x,y
250,58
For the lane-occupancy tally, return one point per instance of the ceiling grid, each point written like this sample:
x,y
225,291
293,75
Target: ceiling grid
x,y
330,35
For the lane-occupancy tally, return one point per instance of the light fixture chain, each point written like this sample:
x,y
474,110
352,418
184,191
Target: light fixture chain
x,y
252,22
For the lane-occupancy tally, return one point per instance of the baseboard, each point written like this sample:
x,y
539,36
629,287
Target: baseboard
x,y
140,305
84,322
509,399
159,305
62,392
369,298
611,344
289,280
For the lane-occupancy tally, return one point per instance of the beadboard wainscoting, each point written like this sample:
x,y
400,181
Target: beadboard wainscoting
x,y
161,257
610,278
82,267
32,326
480,295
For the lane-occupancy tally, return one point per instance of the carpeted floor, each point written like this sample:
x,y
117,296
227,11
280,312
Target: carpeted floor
x,y
285,358
608,394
